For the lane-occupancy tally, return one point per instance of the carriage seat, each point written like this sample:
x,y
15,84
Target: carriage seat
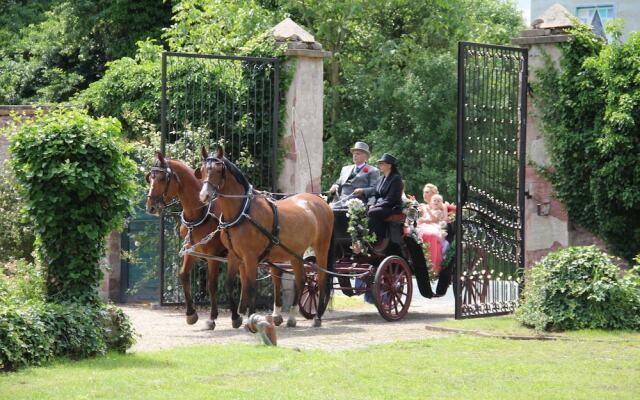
x,y
395,218
395,226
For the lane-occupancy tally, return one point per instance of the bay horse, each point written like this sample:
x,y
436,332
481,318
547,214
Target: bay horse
x,y
170,178
256,229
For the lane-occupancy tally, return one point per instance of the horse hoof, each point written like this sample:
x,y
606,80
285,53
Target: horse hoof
x,y
211,324
236,323
192,319
317,322
291,322
278,320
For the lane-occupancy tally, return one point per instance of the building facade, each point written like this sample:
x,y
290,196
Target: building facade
x,y
627,10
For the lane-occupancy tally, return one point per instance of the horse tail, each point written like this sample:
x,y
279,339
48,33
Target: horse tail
x,y
331,260
328,288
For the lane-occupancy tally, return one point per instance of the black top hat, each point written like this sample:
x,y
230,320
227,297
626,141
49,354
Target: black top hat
x,y
389,159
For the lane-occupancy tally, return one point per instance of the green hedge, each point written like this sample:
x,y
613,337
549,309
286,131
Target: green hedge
x,y
32,331
77,183
580,288
36,332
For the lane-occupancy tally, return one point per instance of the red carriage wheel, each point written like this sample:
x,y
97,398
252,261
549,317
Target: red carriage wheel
x,y
393,288
475,284
310,298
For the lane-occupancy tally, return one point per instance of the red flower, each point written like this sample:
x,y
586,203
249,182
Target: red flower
x,y
365,169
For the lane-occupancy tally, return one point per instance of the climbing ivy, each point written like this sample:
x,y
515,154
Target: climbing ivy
x,y
76,177
590,107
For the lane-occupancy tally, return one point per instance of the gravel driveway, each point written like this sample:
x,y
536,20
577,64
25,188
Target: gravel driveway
x,y
357,327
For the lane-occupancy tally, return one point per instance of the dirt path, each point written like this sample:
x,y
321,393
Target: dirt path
x,y
357,327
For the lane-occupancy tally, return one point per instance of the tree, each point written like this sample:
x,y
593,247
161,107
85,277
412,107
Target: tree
x,y
66,44
388,57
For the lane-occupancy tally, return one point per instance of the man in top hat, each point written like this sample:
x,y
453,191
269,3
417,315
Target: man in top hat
x,y
360,175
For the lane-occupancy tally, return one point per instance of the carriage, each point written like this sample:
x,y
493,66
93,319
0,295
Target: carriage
x,y
387,277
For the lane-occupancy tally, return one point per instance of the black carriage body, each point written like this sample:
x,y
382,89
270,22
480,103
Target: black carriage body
x,y
387,278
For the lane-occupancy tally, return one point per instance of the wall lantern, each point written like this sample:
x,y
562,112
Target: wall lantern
x,y
544,208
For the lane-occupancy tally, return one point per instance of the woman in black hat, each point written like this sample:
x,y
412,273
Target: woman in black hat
x,y
388,200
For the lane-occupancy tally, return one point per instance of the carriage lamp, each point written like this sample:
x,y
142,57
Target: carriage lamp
x,y
544,208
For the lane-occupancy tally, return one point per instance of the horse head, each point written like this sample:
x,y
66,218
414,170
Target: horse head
x,y
212,173
163,185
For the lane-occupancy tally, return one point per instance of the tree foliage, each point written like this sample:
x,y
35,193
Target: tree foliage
x,y
16,241
54,48
387,55
391,74
591,114
75,175
391,79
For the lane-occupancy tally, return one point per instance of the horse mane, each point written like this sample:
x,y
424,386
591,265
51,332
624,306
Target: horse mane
x,y
179,166
235,171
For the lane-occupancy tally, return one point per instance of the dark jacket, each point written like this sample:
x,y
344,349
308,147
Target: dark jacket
x,y
389,192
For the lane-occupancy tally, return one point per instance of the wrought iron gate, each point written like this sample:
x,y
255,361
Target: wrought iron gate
x,y
206,100
492,83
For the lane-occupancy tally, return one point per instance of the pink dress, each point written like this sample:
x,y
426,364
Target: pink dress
x,y
430,233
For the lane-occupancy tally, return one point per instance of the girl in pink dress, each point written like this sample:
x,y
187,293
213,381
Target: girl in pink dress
x,y
430,224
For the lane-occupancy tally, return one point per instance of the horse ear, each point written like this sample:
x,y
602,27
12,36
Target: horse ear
x,y
148,178
198,172
159,156
204,153
219,152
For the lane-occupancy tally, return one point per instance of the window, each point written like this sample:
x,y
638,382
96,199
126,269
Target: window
x,y
586,13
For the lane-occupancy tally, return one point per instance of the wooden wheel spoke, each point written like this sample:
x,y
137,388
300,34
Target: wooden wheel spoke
x,y
314,303
307,299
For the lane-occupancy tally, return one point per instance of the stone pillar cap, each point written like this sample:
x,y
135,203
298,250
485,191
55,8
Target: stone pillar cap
x,y
298,41
555,17
287,30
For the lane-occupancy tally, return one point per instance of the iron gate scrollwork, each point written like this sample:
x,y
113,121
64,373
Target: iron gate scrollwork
x,y
492,83
208,100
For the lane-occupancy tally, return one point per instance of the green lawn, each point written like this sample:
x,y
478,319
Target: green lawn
x,y
451,367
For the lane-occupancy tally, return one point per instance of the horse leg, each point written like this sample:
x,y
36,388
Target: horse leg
x,y
244,289
185,272
298,273
251,275
276,280
323,258
233,267
212,283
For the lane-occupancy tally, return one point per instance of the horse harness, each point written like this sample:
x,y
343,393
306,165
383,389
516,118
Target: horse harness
x,y
190,225
244,214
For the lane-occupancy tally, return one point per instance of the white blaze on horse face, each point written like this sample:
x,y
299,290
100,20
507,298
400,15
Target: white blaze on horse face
x,y
204,192
151,180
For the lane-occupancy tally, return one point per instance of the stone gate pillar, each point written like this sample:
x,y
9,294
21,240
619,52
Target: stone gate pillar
x,y
547,225
303,127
